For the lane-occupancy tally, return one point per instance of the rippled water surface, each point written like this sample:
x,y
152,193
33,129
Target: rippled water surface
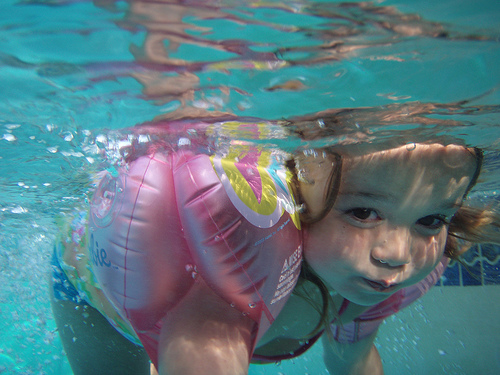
x,y
77,75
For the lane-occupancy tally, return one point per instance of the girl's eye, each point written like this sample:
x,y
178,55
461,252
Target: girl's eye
x,y
432,221
363,214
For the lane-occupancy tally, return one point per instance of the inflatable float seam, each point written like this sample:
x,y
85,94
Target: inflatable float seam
x,y
201,195
228,229
248,289
248,262
131,219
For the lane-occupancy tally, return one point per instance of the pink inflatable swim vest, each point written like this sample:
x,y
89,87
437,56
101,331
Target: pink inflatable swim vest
x,y
170,217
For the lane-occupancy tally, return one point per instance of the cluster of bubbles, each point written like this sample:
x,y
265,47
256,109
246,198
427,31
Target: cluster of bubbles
x,y
31,333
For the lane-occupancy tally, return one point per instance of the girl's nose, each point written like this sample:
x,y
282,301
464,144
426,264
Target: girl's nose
x,y
393,247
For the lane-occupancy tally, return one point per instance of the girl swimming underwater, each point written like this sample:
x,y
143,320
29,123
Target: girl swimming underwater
x,y
380,247
377,222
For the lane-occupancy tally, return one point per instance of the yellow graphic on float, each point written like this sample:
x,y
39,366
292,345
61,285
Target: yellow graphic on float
x,y
256,185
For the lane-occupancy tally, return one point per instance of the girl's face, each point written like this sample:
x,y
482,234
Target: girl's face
x,y
388,227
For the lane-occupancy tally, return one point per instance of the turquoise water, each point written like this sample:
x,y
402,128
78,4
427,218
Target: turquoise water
x,y
75,74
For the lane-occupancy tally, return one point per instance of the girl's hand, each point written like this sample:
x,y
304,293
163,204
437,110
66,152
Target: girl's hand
x,y
203,334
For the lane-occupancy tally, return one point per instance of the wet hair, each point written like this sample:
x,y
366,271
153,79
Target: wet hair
x,y
330,192
472,224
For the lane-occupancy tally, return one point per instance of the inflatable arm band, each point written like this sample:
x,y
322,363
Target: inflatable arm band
x,y
170,218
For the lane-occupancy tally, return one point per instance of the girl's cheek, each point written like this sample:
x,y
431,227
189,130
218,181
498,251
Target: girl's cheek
x,y
317,246
430,252
327,240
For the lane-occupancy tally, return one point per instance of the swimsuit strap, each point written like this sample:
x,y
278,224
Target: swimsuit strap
x,y
303,346
343,307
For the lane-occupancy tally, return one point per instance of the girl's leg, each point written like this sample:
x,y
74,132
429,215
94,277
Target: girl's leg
x,y
93,346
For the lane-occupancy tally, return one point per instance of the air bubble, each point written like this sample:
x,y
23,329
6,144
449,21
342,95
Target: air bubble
x,y
143,138
18,210
252,305
9,137
101,140
411,146
191,268
184,142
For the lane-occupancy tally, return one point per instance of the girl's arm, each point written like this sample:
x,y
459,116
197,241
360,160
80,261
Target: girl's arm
x,y
360,358
203,334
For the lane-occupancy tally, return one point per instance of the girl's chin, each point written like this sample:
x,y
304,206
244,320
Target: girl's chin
x,y
368,296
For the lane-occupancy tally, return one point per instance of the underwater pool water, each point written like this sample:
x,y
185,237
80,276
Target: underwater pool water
x,y
76,75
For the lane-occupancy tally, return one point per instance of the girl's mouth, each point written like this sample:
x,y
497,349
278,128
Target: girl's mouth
x,y
381,286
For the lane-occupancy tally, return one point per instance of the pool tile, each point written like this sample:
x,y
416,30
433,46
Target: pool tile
x,y
491,274
471,274
479,266
451,275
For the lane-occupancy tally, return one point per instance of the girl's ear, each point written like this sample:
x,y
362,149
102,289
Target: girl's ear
x,y
317,183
